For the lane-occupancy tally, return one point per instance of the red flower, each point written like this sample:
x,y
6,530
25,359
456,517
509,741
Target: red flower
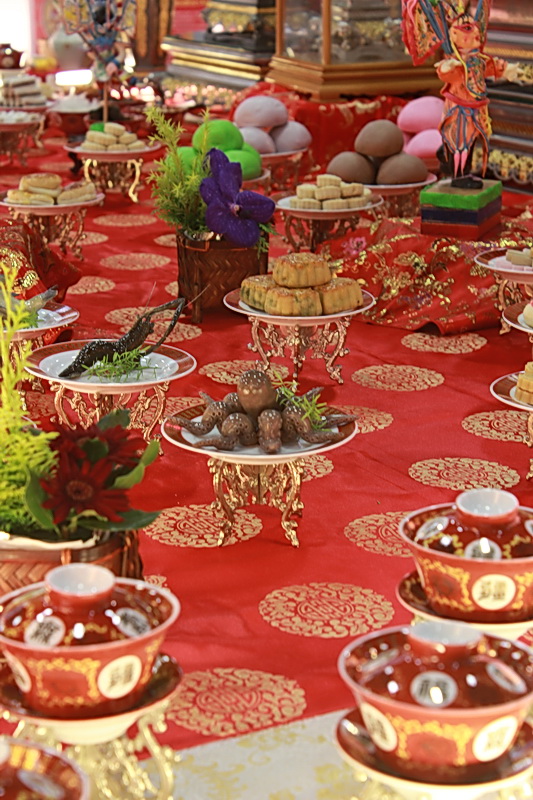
x,y
123,446
82,487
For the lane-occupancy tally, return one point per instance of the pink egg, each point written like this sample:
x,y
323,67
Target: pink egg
x,y
421,114
424,144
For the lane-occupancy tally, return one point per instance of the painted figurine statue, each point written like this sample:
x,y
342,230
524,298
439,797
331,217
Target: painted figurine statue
x,y
430,24
106,26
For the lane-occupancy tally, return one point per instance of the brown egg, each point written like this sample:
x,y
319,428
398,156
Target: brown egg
x,y
380,139
402,168
352,167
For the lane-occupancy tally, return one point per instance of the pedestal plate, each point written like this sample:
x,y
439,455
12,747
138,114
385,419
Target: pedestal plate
x,y
305,229
90,398
513,281
61,225
322,337
114,169
400,200
247,474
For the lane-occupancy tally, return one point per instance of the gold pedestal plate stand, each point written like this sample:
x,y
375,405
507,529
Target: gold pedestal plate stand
x,y
321,337
284,169
306,229
513,283
17,140
114,170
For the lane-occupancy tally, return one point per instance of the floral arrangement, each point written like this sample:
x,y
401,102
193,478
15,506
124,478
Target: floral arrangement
x,y
59,483
204,197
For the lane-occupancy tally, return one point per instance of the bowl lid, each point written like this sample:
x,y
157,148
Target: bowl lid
x,y
487,524
439,665
83,604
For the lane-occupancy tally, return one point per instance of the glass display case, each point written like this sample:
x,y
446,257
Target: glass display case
x,y
336,48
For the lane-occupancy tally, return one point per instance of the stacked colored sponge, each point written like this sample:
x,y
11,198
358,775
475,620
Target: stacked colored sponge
x,y
463,213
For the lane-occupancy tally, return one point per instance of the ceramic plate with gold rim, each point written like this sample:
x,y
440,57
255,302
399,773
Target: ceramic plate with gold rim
x,y
234,303
165,364
496,261
113,155
503,389
53,209
164,683
30,770
412,596
391,189
248,455
53,315
284,205
514,315
512,769
272,159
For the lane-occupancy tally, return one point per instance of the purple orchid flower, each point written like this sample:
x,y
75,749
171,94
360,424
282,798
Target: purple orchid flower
x,y
230,212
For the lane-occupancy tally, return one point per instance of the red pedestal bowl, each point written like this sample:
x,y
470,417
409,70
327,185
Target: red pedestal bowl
x,y
439,697
83,642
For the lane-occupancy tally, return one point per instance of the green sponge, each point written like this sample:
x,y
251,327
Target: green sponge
x,y
221,133
250,161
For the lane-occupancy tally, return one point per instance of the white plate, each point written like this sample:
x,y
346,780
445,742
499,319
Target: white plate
x,y
284,205
112,155
271,159
54,315
496,261
168,363
53,209
504,390
234,303
250,455
387,189
523,323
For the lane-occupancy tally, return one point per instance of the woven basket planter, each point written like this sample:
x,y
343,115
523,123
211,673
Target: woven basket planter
x,y
19,567
209,269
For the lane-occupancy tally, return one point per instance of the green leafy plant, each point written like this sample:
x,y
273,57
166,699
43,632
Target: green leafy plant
x,y
312,409
121,366
176,189
61,483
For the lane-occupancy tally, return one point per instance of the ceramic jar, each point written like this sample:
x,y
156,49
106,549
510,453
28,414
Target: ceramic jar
x,y
439,698
83,642
475,556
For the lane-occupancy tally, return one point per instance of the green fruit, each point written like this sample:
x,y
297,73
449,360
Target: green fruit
x,y
249,161
187,156
221,133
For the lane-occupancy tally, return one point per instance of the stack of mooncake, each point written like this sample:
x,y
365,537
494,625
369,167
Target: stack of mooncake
x,y
110,137
330,193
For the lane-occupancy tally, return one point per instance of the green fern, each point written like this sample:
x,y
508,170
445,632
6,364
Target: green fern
x,y
175,190
24,449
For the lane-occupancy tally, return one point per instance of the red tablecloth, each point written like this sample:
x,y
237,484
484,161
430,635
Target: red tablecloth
x,y
262,623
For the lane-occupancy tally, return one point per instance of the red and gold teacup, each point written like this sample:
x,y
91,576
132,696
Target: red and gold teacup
x,y
83,642
439,697
475,557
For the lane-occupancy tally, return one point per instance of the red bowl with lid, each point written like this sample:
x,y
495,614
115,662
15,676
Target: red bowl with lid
x,y
29,771
82,643
475,556
439,697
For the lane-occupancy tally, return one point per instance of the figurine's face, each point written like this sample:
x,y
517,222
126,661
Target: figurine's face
x,y
465,34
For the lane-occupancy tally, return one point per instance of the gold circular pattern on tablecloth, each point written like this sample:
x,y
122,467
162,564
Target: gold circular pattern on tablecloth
x,y
199,526
135,261
177,405
504,426
463,473
327,610
226,701
166,240
92,284
125,220
229,371
428,343
316,467
92,237
397,378
368,419
378,533
125,317
172,288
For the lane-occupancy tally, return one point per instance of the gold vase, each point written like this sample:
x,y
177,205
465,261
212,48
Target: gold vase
x,y
210,268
